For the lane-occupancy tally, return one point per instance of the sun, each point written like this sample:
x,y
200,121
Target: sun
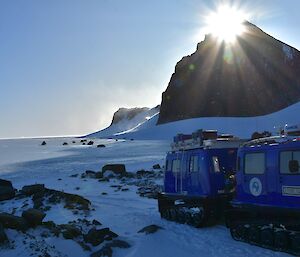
x,y
226,23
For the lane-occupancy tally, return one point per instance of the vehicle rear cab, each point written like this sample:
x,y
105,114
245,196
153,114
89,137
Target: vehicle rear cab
x,y
268,175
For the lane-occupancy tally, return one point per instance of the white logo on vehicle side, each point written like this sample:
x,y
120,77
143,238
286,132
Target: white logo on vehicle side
x,y
255,186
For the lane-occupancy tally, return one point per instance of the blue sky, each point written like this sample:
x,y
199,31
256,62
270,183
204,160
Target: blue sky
x,y
66,66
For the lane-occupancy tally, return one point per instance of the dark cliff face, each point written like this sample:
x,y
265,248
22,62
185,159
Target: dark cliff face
x,y
257,75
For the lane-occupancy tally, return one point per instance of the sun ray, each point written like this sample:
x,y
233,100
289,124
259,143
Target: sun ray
x,y
226,23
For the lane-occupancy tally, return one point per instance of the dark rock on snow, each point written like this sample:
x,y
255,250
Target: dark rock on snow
x,y
156,166
70,231
3,236
90,143
43,143
98,236
6,190
65,143
118,169
100,146
150,229
13,222
34,217
118,244
32,189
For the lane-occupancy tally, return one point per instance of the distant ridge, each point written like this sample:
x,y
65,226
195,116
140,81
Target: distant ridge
x,y
126,119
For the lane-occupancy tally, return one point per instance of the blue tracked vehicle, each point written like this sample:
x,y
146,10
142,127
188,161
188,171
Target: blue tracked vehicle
x,y
266,207
196,174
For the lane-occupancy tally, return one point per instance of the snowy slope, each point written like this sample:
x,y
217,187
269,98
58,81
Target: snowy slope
x,y
126,119
242,127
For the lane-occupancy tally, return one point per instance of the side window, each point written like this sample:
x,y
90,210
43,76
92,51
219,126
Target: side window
x,y
254,163
193,167
216,164
285,158
176,166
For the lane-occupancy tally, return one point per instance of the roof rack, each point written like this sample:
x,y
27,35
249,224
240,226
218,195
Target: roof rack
x,y
205,139
271,140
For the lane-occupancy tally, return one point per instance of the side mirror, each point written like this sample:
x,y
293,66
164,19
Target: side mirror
x,y
293,166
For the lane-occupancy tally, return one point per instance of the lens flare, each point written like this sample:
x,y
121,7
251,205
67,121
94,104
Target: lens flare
x,y
226,23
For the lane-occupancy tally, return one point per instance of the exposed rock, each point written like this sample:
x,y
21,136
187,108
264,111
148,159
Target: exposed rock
x,y
34,217
150,191
97,236
6,190
73,201
150,229
100,146
258,75
3,236
156,166
32,189
118,169
65,143
43,143
70,231
90,143
13,222
96,222
118,244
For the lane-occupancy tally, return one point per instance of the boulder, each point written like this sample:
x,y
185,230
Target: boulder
x,y
100,146
3,236
118,244
43,143
70,231
97,236
34,217
65,143
13,222
32,189
6,190
90,143
156,166
150,229
118,169
5,183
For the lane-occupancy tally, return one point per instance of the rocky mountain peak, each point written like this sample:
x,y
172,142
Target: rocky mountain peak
x,y
256,75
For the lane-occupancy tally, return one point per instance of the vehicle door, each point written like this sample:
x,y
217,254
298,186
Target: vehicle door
x,y
289,178
254,186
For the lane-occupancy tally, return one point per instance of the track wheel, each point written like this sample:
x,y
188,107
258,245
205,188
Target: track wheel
x,y
281,240
239,232
295,243
267,237
173,214
254,235
164,214
188,218
197,219
180,216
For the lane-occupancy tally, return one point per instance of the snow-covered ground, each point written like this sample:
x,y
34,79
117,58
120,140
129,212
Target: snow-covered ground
x,y
25,162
